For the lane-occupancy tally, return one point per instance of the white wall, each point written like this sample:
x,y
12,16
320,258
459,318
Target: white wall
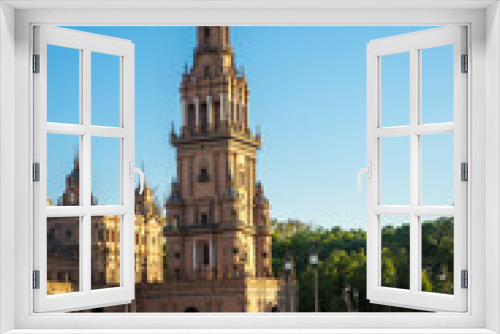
x,y
7,160
492,165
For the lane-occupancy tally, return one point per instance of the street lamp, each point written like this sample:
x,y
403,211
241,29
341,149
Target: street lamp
x,y
288,265
288,271
313,261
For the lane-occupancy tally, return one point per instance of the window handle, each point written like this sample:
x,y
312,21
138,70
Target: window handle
x,y
368,171
134,170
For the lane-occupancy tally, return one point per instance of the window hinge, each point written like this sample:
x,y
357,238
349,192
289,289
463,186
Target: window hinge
x,y
464,171
36,63
465,64
464,279
36,279
36,172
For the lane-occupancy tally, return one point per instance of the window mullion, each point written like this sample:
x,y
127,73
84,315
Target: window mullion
x,y
414,168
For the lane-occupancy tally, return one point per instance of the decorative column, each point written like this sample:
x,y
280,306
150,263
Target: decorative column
x,y
226,108
197,112
195,257
211,248
221,116
184,116
240,109
210,118
235,106
247,121
245,115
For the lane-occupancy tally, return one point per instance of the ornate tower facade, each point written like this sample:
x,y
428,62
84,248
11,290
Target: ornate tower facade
x,y
219,215
218,226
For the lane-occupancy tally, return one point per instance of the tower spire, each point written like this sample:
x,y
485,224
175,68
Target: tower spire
x,y
213,38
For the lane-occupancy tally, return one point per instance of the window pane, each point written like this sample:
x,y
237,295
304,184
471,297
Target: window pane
x,y
395,171
63,85
437,84
395,89
437,169
106,171
63,255
105,90
105,252
63,170
437,254
395,251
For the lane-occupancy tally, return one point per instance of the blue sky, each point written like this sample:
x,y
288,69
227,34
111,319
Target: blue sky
x,y
308,95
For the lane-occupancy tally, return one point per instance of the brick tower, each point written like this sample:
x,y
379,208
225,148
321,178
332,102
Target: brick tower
x,y
218,236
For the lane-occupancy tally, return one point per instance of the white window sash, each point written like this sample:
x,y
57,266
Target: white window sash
x,y
414,298
86,297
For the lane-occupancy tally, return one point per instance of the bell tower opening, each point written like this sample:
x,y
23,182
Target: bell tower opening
x,y
213,38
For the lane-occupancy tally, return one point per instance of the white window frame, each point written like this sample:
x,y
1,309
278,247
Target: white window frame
x,y
86,44
414,43
483,21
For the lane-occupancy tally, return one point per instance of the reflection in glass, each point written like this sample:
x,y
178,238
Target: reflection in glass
x,y
106,170
437,84
105,90
63,75
395,171
63,170
437,254
395,257
437,169
63,255
105,252
395,89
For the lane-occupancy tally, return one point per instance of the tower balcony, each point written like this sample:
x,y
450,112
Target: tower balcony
x,y
221,131
172,230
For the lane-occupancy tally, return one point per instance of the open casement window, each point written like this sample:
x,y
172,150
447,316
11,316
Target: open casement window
x,y
83,162
405,123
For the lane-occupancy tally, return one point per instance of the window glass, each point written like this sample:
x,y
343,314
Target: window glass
x,y
63,170
63,84
395,89
437,254
437,169
395,231
105,90
105,252
395,170
437,84
63,255
106,171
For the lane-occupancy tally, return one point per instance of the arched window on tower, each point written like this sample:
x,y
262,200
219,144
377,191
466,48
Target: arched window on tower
x,y
203,177
216,113
206,35
206,254
191,117
204,219
203,117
